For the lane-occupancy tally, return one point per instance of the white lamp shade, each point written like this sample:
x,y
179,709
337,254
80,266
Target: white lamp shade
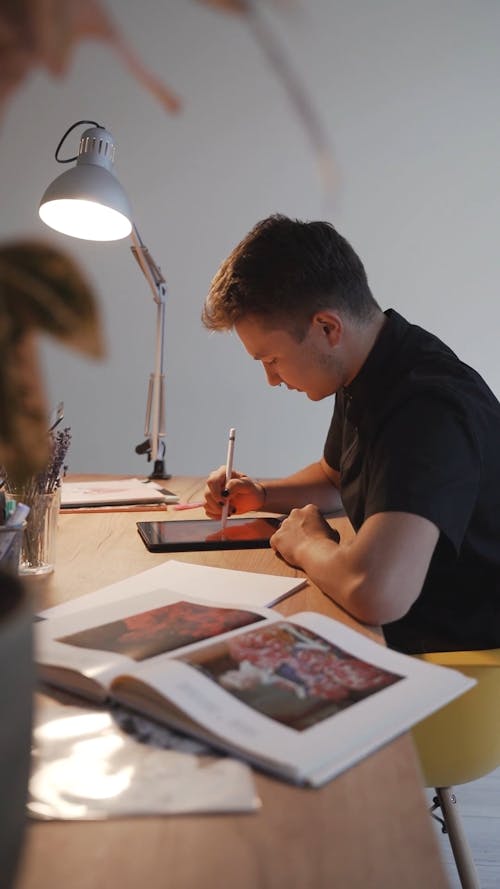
x,y
87,202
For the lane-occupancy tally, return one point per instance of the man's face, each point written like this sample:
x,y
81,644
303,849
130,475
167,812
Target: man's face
x,y
310,366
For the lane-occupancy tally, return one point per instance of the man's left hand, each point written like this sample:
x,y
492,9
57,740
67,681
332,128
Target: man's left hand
x,y
298,531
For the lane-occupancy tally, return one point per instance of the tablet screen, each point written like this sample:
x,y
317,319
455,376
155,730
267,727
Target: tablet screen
x,y
206,534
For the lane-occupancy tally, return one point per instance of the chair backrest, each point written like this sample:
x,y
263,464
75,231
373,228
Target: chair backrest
x,y
461,742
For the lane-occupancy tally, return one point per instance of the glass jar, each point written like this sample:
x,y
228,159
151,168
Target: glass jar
x,y
38,551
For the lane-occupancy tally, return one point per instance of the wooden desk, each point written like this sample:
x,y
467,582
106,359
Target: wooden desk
x,y
367,829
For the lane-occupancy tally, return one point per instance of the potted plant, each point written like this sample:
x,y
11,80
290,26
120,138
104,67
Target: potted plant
x,y
41,290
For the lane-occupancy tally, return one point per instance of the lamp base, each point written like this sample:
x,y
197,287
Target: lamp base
x,y
160,471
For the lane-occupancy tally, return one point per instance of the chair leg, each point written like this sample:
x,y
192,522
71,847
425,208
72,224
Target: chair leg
x,y
453,826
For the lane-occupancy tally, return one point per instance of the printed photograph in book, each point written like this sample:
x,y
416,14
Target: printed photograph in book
x,y
290,674
160,630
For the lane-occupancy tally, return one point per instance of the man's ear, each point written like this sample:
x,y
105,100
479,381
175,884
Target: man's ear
x,y
329,324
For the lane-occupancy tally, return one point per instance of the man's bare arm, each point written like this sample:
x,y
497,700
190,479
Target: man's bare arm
x,y
316,483
377,576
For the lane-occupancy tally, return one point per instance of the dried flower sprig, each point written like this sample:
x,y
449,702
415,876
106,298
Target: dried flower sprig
x,y
56,469
49,479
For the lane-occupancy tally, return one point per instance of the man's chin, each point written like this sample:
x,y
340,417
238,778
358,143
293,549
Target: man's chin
x,y
312,396
317,396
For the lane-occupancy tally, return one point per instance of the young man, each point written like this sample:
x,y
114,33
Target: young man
x,y
412,453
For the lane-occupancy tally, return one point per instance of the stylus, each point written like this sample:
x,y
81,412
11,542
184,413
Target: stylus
x,y
229,472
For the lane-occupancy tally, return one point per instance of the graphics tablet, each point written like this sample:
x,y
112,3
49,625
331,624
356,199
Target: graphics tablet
x,y
206,534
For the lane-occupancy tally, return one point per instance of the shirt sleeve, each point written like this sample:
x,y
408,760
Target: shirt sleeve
x,y
426,461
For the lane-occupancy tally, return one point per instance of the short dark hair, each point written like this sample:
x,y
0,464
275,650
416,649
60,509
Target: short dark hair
x,y
284,271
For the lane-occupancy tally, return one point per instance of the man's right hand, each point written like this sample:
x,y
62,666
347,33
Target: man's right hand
x,y
244,493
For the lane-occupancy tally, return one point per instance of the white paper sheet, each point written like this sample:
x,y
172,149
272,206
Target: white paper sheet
x,y
222,585
115,492
86,768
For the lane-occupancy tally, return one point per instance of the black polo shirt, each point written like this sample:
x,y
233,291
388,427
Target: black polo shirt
x,y
418,431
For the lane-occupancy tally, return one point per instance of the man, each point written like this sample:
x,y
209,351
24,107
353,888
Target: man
x,y
412,453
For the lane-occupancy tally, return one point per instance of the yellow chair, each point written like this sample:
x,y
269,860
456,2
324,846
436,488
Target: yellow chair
x,y
460,743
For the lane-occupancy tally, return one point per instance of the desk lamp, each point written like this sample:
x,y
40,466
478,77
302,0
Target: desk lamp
x,y
87,201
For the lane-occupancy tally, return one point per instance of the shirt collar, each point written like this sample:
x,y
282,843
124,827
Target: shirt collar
x,y
380,364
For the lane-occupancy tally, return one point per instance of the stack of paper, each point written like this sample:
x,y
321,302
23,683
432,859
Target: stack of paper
x,y
113,493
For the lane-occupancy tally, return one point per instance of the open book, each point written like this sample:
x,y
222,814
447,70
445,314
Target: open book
x,y
302,698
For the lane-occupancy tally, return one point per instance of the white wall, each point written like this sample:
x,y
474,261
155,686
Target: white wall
x,y
408,93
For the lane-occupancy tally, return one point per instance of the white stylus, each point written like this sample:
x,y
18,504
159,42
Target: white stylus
x,y
229,472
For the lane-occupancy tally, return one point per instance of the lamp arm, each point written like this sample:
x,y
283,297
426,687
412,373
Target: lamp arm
x,y
148,266
154,429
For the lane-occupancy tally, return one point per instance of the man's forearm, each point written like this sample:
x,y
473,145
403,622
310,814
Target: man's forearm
x,y
309,485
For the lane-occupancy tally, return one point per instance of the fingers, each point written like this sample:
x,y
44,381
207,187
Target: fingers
x,y
275,544
213,494
276,551
244,493
213,491
298,532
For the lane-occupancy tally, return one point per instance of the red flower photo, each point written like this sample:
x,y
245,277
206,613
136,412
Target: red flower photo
x,y
149,633
290,674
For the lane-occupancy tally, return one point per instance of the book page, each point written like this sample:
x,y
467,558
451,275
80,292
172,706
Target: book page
x,y
305,699
103,642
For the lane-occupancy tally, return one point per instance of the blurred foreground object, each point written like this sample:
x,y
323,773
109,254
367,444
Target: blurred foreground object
x,y
41,289
44,33
16,691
